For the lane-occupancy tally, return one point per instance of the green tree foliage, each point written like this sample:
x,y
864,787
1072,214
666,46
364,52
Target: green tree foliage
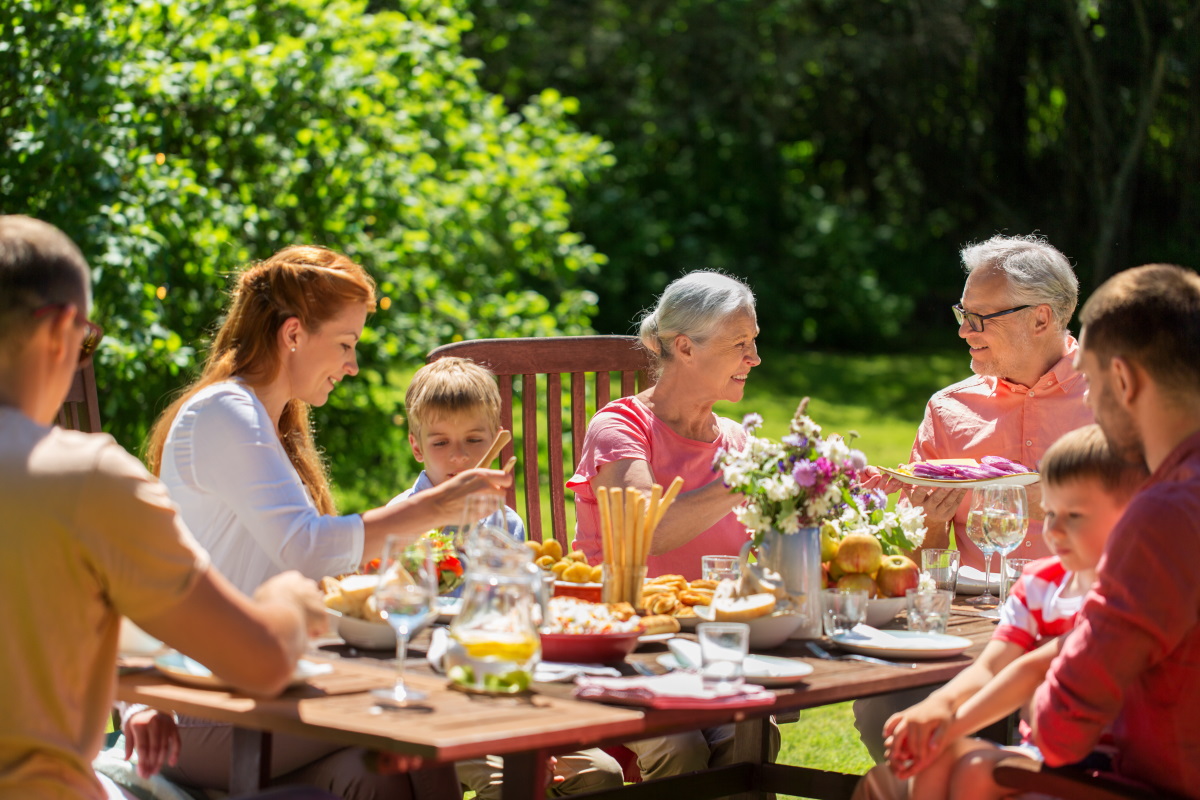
x,y
177,139
837,153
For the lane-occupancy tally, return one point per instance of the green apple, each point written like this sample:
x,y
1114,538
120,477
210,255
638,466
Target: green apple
x,y
831,537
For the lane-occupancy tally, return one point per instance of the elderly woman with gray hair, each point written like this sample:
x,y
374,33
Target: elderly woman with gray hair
x,y
701,335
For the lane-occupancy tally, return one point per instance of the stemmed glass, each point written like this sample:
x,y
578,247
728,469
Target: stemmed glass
x,y
405,598
997,522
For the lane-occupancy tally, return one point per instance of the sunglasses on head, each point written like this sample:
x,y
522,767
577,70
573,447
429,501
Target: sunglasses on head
x,y
91,339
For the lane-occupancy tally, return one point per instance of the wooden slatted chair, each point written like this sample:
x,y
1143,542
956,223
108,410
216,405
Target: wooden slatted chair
x,y
590,361
81,410
1069,783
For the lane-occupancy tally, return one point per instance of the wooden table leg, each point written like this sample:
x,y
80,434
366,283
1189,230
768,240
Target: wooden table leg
x,y
250,761
751,740
524,776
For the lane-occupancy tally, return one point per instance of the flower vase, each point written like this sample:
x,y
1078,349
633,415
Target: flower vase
x,y
797,559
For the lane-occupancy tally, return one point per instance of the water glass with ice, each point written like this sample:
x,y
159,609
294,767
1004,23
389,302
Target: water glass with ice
x,y
928,612
942,566
723,648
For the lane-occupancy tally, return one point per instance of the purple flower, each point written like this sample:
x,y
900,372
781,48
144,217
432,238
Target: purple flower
x,y
795,440
805,473
751,422
826,466
872,500
857,460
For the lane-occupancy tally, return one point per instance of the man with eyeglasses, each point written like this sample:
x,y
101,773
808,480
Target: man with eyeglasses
x,y
88,536
1016,304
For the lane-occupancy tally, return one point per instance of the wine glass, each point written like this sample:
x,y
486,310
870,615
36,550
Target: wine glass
x,y
1005,522
997,522
405,599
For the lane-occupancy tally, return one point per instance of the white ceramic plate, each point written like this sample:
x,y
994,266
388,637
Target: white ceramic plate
x,y
763,670
650,638
904,644
1019,479
188,671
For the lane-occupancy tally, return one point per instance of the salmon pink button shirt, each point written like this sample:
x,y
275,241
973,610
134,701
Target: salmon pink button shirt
x,y
627,428
986,416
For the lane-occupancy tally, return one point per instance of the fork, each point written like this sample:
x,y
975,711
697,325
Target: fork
x,y
821,652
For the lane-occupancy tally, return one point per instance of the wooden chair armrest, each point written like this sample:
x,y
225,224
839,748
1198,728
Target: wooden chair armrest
x,y
1068,783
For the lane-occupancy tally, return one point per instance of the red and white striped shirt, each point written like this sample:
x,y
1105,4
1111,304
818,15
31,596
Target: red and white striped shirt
x,y
1035,609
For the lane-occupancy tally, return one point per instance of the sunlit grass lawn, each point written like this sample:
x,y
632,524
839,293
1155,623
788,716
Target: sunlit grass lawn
x,y
882,399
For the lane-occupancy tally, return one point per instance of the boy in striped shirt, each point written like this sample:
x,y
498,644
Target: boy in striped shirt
x,y
1085,490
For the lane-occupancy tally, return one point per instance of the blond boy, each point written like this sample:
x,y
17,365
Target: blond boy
x,y
1085,488
453,408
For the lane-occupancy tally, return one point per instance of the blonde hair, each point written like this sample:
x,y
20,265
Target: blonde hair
x,y
1085,453
312,284
451,386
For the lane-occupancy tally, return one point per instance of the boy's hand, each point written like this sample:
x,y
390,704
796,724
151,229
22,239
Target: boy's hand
x,y
155,737
913,735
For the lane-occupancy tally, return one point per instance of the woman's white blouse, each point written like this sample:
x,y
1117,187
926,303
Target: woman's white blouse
x,y
241,497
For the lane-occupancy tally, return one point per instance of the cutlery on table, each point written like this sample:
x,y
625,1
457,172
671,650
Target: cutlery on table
x,y
821,652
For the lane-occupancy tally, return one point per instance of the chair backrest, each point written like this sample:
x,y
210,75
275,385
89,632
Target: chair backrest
x,y
81,410
542,418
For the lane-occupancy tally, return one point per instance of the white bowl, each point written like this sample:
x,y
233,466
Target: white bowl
x,y
882,610
765,632
367,635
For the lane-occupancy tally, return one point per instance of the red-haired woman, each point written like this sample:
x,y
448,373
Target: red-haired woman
x,y
237,454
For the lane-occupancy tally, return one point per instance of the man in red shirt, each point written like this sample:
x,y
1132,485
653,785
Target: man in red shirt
x,y
1134,658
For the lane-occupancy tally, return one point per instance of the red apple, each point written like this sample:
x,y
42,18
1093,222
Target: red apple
x,y
859,552
897,574
856,581
835,571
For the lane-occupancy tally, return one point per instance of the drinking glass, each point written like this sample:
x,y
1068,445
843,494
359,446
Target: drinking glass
x,y
843,609
718,568
723,648
928,612
1010,570
942,566
997,522
405,598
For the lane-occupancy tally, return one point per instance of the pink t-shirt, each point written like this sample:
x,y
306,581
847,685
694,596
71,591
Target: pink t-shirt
x,y
627,428
992,417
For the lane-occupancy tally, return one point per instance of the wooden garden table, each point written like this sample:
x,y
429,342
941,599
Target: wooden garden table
x,y
452,726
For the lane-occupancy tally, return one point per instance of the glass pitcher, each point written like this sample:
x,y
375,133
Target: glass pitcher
x,y
494,642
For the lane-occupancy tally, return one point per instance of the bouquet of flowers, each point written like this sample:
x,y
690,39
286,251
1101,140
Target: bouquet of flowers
x,y
806,480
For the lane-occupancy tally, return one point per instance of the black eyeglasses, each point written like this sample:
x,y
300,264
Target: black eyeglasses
x,y
976,320
91,339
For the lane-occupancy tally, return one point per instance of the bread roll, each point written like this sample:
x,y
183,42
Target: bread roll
x,y
660,623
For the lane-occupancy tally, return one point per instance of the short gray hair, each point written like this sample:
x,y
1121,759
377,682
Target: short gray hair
x,y
1036,270
694,305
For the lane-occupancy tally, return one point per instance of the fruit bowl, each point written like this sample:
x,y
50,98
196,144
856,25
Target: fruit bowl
x,y
766,632
588,648
881,610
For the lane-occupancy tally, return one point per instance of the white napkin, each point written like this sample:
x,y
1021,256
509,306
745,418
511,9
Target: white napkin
x,y
868,635
438,640
972,578
686,652
553,672
672,690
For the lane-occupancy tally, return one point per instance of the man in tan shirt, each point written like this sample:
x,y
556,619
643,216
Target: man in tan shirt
x,y
88,536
